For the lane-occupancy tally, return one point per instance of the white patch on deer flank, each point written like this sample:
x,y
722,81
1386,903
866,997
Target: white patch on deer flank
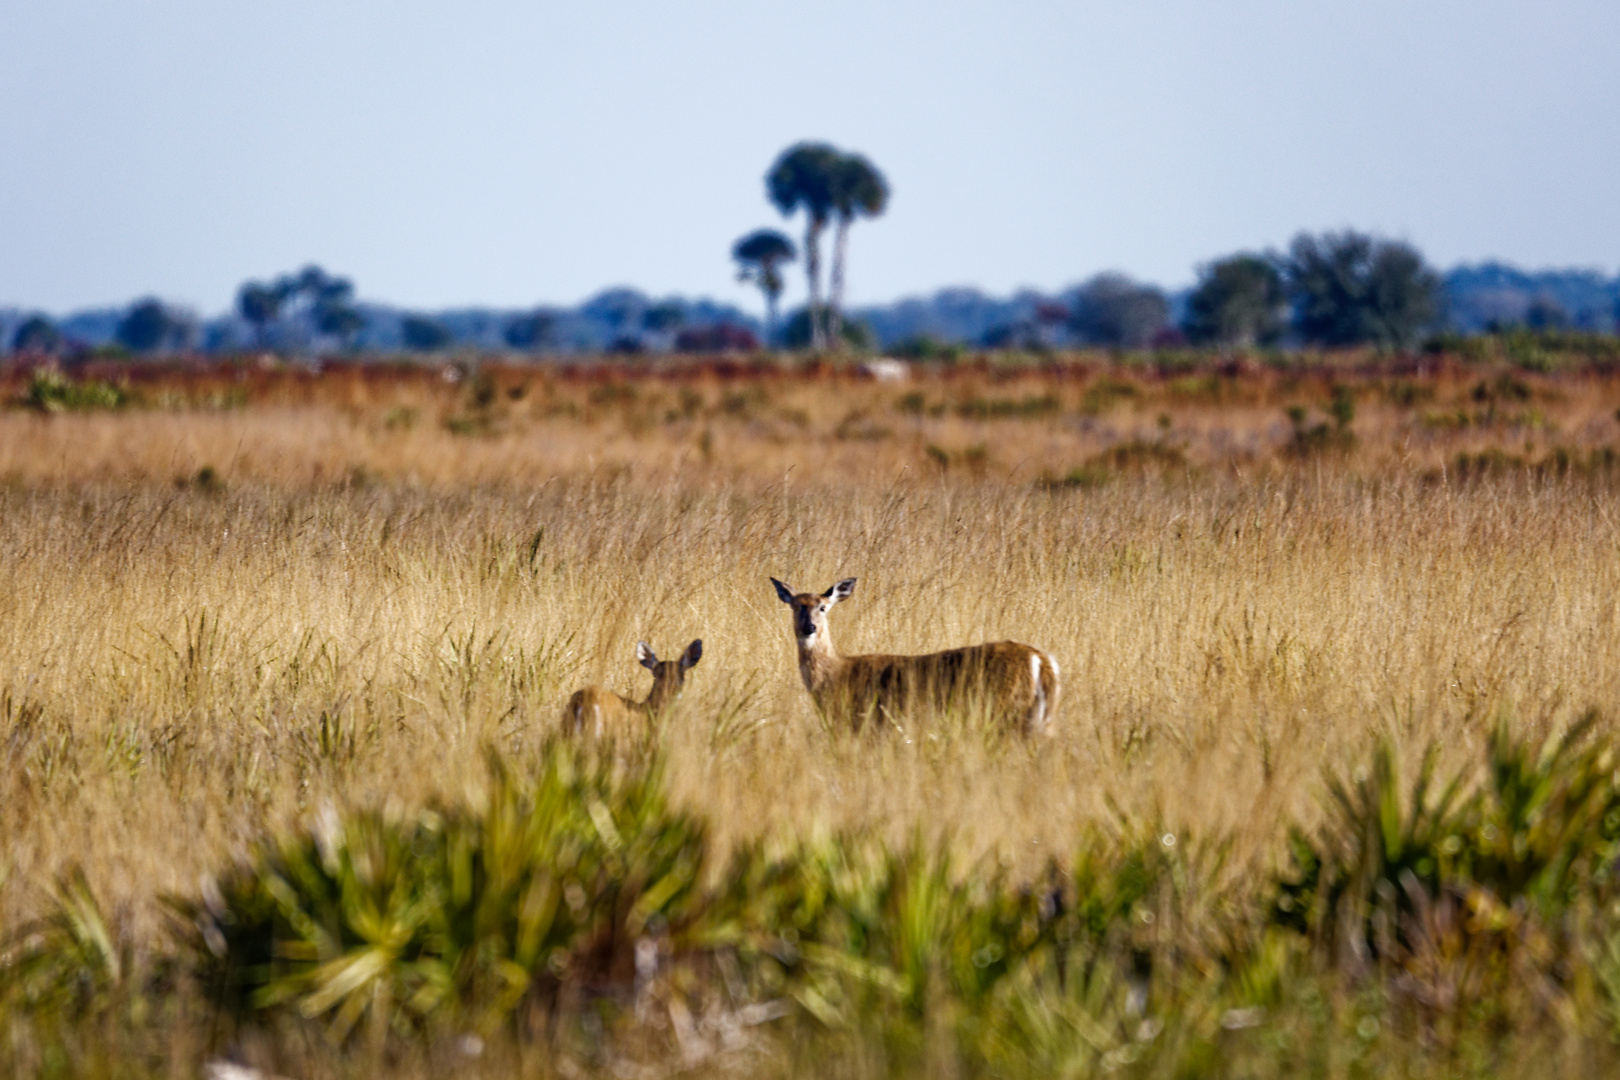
x,y
1039,712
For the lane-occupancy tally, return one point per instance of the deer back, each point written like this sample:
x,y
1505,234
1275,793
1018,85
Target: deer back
x,y
1011,684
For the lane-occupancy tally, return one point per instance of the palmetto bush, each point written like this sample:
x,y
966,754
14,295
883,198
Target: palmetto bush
x,y
581,884
844,924
66,961
451,915
1490,895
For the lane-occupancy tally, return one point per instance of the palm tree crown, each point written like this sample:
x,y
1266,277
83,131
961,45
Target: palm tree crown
x,y
760,255
763,246
802,178
858,188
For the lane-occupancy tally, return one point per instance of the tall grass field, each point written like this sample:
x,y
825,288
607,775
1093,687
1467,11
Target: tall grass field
x,y
1332,790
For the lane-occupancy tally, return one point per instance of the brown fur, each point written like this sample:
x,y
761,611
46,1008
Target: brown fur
x,y
599,712
1016,684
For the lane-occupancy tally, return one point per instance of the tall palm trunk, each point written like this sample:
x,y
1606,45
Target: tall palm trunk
x,y
770,314
812,267
835,289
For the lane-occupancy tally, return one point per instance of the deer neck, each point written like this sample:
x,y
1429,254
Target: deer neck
x,y
819,661
660,697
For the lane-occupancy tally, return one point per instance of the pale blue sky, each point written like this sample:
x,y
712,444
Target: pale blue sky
x,y
511,153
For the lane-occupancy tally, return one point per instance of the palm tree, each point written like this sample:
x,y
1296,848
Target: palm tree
x,y
760,255
803,178
858,190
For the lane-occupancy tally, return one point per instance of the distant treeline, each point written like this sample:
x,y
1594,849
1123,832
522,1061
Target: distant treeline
x,y
1486,298
1333,289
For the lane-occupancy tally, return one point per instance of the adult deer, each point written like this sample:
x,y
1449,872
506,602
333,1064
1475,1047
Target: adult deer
x,y
602,712
1016,684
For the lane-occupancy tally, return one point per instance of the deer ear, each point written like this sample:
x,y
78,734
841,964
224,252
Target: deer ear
x,y
645,656
693,653
841,591
783,593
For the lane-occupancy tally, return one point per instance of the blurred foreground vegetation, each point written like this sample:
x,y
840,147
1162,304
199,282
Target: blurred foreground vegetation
x,y
569,920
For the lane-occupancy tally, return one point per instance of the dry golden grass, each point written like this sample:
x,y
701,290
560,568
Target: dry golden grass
x,y
369,585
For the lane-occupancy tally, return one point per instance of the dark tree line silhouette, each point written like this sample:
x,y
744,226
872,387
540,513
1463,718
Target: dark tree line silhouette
x,y
311,298
153,326
1331,289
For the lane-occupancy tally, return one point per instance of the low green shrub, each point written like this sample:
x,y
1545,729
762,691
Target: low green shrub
x,y
1133,457
1030,406
49,391
1309,440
